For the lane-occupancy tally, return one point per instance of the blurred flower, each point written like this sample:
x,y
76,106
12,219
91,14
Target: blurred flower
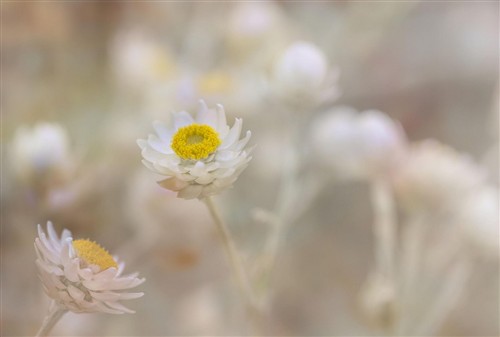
x,y
40,151
302,75
80,275
200,157
138,60
357,145
434,175
250,20
256,31
215,82
479,218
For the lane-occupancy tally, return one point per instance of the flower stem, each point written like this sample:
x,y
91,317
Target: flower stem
x,y
53,316
385,228
385,240
283,212
234,258
413,238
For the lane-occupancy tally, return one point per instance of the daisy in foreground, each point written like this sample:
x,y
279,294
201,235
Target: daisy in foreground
x,y
80,276
200,156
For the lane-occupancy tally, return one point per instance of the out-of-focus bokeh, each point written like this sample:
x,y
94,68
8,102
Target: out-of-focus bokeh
x,y
82,81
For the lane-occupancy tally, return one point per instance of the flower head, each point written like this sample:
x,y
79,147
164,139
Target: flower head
x,y
302,75
39,151
80,275
199,156
434,176
357,145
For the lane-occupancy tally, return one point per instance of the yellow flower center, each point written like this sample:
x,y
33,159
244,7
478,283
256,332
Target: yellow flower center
x,y
195,141
92,253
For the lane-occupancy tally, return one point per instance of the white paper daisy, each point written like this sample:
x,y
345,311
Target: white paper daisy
x,y
200,156
81,276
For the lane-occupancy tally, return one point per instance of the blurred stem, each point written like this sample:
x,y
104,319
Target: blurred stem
x,y
411,258
385,239
385,227
234,258
286,197
448,294
53,316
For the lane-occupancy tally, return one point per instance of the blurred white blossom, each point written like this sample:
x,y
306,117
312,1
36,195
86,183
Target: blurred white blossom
x,y
302,75
139,60
357,145
479,219
434,176
200,156
39,151
252,20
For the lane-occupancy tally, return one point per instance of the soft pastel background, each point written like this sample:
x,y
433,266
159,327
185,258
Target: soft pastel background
x,y
106,70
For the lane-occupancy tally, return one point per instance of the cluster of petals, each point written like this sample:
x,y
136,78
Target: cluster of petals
x,y
202,177
74,284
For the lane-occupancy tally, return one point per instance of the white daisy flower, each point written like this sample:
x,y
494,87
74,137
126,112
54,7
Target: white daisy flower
x,y
81,276
200,156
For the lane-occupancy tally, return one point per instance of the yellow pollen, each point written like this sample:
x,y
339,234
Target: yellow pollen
x,y
92,253
195,141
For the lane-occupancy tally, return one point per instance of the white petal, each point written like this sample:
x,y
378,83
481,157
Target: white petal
x,y
53,235
190,192
149,154
116,284
66,256
118,306
114,296
206,116
159,145
86,273
205,179
173,184
66,234
222,127
106,274
162,131
143,143
181,119
198,169
121,267
71,271
103,308
239,145
76,293
47,255
233,135
49,268
57,282
226,155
